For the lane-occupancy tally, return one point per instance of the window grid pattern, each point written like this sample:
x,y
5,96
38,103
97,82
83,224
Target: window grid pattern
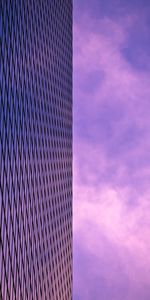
x,y
36,149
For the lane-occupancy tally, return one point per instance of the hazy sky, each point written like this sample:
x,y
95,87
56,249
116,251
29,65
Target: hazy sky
x,y
111,150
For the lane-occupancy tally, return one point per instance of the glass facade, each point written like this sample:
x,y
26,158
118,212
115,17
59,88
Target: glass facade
x,y
36,149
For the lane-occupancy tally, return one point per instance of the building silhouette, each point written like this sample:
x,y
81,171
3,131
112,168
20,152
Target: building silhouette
x,y
36,149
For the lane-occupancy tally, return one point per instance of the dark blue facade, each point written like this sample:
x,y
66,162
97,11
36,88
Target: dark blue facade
x,y
36,149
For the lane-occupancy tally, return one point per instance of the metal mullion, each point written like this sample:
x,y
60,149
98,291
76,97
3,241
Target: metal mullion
x,y
31,137
7,93
5,171
44,230
28,152
3,254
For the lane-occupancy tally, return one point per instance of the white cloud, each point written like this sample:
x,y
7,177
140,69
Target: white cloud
x,y
112,160
107,212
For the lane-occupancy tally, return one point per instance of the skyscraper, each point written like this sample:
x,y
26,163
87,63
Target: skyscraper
x,y
36,149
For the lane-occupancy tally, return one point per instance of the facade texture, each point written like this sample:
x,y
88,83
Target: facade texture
x,y
36,149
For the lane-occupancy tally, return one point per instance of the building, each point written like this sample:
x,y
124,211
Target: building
x,y
36,149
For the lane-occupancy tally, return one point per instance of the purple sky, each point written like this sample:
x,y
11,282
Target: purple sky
x,y
111,150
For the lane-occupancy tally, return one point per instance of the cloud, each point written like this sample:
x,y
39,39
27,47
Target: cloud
x,y
109,211
112,237
111,164
113,115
